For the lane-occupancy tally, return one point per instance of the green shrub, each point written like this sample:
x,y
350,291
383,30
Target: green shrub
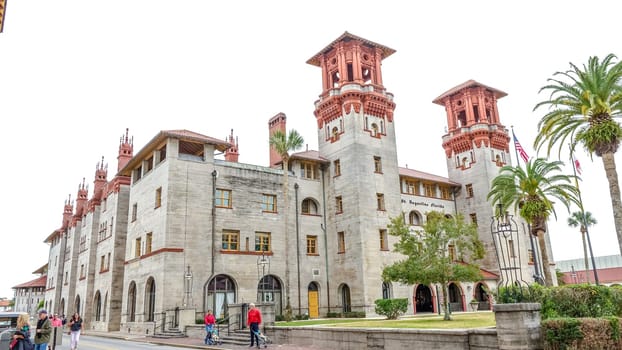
x,y
354,314
199,321
561,333
333,315
279,318
391,308
301,317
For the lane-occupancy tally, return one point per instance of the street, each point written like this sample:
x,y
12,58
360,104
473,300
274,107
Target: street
x,y
101,343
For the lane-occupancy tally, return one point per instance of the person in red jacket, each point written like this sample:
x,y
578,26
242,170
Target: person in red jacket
x,y
253,320
210,321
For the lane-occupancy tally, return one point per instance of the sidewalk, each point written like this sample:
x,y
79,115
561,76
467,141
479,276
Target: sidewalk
x,y
190,343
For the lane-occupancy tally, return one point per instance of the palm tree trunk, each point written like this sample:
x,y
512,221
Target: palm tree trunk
x,y
587,265
609,164
546,265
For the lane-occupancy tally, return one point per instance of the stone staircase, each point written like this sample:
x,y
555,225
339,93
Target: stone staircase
x,y
237,337
170,333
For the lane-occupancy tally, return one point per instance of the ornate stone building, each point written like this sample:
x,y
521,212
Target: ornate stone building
x,y
177,228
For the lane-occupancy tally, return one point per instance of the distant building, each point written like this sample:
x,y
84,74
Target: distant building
x,y
175,228
5,305
28,295
608,268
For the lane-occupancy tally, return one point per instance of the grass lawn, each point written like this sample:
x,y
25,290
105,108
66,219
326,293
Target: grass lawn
x,y
459,320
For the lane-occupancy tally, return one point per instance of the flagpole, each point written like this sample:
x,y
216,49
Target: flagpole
x,y
537,276
587,233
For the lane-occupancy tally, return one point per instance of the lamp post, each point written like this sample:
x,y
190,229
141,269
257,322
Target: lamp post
x,y
262,262
188,287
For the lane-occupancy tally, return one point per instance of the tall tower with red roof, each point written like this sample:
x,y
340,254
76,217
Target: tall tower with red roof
x,y
356,133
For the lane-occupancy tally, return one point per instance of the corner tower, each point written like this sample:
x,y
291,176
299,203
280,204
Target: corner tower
x,y
356,134
476,147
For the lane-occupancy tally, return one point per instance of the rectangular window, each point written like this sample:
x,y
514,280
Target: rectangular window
x,y
230,240
445,192
102,263
378,165
451,252
137,248
337,167
380,201
411,187
148,242
268,203
469,190
108,262
530,256
82,273
338,205
162,152
134,210
430,190
309,171
138,173
158,197
341,242
262,241
149,164
223,198
473,218
384,242
311,245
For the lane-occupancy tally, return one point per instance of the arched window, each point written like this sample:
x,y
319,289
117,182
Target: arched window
x,y
414,218
386,290
219,292
98,306
309,207
150,294
335,133
374,129
269,290
131,302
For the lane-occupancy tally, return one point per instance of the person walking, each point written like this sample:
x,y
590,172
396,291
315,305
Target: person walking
x,y
253,320
210,321
75,325
43,331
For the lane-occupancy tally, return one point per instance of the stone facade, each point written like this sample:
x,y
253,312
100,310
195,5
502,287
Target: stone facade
x,y
178,230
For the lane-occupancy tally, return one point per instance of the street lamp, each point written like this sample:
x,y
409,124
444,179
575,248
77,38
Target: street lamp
x,y
188,286
263,262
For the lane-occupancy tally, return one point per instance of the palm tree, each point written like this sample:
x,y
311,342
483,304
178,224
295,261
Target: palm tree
x,y
283,144
583,220
531,191
586,102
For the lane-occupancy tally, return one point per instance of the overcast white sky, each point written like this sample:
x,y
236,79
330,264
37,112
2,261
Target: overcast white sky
x,y
76,74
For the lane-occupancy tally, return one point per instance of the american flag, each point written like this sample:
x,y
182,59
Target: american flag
x,y
577,166
519,149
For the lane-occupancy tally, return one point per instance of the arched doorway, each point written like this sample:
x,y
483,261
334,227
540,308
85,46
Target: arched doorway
x,y
423,299
386,290
219,292
131,303
98,306
346,303
482,297
62,307
269,290
76,305
313,297
455,298
150,294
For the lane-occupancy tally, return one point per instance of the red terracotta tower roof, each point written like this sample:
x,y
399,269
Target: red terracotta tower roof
x,y
467,84
315,60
